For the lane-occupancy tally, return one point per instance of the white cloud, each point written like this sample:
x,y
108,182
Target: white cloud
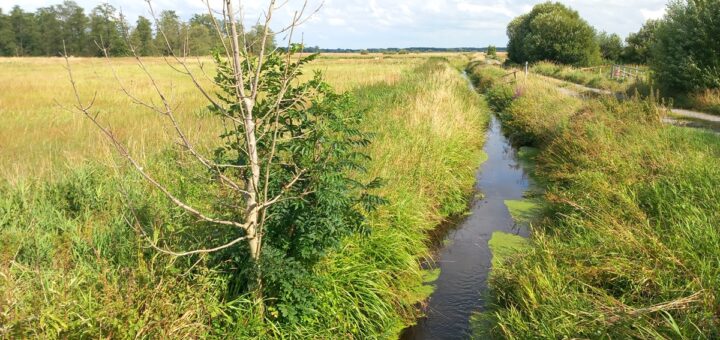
x,y
485,9
402,23
652,14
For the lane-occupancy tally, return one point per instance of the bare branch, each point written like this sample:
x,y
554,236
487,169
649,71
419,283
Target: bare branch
x,y
152,244
124,152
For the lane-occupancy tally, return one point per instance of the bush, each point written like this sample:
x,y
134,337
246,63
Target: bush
x,y
685,55
492,52
611,46
553,32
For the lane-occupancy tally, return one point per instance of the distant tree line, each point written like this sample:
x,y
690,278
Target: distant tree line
x,y
43,32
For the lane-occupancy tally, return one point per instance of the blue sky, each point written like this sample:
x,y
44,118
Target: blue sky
x,y
403,23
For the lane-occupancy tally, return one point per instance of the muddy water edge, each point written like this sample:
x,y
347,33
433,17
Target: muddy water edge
x,y
464,259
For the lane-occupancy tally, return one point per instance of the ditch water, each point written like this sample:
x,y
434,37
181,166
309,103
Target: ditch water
x,y
464,260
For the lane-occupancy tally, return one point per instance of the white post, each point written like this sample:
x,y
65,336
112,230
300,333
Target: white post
x,y
526,69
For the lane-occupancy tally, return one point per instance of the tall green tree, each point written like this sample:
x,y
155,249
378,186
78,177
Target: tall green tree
x,y
106,30
611,46
203,35
204,20
170,28
199,39
685,54
74,27
7,36
638,45
253,39
49,30
25,30
552,31
142,37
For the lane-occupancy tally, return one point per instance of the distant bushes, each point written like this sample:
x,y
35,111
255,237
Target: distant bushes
x,y
552,31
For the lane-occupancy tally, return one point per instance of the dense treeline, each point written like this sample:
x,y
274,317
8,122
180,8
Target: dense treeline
x,y
43,32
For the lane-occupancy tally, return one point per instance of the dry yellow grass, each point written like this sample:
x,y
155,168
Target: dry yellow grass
x,y
38,137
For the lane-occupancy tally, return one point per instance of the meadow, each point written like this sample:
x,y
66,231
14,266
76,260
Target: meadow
x,y
627,244
71,266
39,137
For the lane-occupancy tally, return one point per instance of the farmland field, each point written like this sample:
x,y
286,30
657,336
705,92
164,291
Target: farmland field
x,y
39,137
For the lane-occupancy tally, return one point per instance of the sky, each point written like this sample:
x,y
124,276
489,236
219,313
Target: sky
x,y
361,24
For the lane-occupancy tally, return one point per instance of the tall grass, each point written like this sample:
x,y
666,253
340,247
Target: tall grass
x,y
71,267
427,146
629,246
595,78
707,101
39,138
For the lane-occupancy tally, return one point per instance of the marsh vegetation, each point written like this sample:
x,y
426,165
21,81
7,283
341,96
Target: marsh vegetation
x,y
195,179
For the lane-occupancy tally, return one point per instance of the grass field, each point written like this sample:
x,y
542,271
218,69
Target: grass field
x,y
628,245
40,138
71,267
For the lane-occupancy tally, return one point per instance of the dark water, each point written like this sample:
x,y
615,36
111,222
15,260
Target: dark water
x,y
465,260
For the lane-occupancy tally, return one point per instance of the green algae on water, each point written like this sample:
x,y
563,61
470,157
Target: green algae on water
x,y
503,245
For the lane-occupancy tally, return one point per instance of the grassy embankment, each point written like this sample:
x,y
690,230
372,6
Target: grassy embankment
x,y
628,244
707,101
71,267
598,78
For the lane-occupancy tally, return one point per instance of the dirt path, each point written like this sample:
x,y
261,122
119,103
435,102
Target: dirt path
x,y
576,90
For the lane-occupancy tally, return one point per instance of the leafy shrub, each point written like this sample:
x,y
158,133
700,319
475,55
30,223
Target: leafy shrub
x,y
492,52
611,46
685,57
